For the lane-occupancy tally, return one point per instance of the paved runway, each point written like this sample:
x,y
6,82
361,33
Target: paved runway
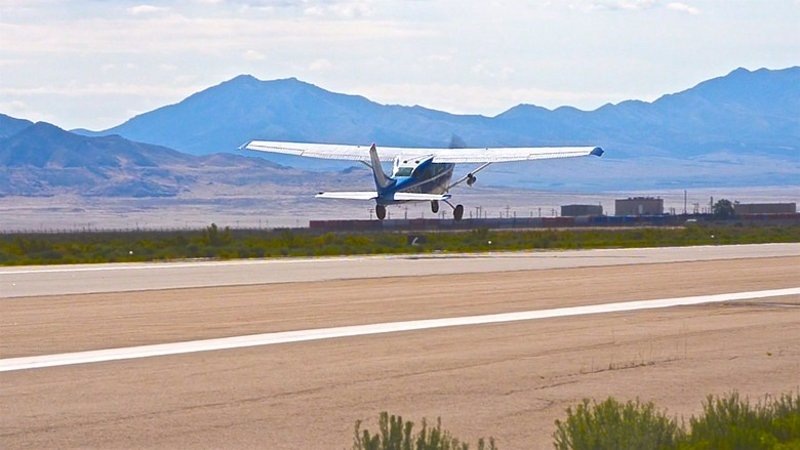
x,y
510,379
82,279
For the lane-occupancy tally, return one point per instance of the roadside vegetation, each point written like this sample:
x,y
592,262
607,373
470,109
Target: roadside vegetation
x,y
217,243
394,433
728,422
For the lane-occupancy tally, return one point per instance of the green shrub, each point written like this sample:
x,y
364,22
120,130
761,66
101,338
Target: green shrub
x,y
396,434
614,425
732,423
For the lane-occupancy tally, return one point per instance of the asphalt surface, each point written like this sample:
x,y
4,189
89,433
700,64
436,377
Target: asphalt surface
x,y
510,380
83,279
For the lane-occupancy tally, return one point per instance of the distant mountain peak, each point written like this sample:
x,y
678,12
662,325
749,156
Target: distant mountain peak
x,y
245,78
10,126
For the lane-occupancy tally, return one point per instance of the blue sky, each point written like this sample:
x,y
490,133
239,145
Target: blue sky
x,y
96,63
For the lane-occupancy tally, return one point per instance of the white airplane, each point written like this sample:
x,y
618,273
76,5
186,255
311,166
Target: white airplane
x,y
418,174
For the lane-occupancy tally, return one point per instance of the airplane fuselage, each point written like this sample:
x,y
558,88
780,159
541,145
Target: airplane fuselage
x,y
422,178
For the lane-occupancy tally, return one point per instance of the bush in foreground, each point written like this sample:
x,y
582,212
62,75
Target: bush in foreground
x,y
732,423
396,434
728,422
614,425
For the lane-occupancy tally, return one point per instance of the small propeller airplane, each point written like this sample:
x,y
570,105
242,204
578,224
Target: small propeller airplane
x,y
418,174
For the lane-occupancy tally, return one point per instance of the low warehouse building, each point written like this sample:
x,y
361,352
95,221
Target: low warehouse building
x,y
581,210
765,208
639,206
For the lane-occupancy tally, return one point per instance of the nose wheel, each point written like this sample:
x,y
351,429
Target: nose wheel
x,y
380,211
434,206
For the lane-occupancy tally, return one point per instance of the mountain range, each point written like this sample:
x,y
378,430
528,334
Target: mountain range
x,y
44,160
756,111
742,129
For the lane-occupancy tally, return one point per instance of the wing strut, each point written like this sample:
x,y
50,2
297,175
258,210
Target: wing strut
x,y
470,177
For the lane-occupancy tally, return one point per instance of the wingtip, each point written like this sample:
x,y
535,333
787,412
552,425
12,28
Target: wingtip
x,y
597,151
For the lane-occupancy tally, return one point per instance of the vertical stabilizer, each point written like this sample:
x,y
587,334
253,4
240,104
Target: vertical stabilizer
x,y
381,180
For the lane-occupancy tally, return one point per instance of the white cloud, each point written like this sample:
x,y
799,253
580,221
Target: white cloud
x,y
339,10
253,55
614,5
145,9
488,70
683,7
319,65
632,5
75,89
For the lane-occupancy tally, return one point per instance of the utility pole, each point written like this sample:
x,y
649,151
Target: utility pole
x,y
685,199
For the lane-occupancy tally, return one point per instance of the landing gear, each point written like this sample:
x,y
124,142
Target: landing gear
x,y
458,212
380,211
434,206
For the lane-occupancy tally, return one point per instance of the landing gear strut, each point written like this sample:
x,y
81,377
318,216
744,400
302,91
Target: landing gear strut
x,y
458,211
380,211
434,206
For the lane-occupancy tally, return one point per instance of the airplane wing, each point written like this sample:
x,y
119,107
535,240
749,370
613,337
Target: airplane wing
x,y
440,155
349,195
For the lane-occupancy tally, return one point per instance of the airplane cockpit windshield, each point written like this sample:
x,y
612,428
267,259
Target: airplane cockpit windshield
x,y
403,171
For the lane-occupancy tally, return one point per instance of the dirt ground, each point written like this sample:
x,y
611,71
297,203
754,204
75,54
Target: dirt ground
x,y
510,381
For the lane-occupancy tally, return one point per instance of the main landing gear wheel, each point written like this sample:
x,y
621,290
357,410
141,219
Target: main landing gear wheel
x,y
458,212
434,206
380,211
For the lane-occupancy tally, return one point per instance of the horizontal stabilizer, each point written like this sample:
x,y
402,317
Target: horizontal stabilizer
x,y
348,195
412,197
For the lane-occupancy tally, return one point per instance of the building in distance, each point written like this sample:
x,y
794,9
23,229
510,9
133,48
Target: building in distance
x,y
764,208
639,206
581,210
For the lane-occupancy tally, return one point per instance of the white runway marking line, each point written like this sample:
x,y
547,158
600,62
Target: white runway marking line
x,y
178,348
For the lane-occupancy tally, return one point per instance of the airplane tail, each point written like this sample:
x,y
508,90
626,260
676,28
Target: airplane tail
x,y
381,180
